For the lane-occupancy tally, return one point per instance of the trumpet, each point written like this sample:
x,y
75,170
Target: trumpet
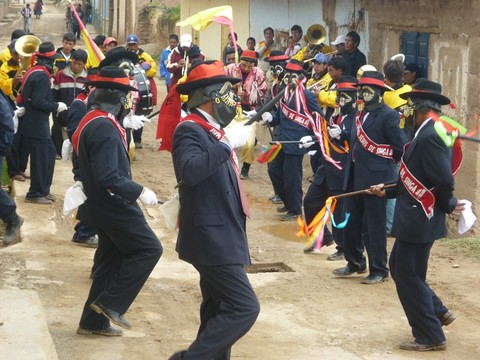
x,y
185,64
316,86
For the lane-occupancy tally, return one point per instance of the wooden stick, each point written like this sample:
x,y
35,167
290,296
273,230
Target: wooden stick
x,y
361,192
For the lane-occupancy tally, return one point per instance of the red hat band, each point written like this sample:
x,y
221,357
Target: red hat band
x,y
205,71
371,81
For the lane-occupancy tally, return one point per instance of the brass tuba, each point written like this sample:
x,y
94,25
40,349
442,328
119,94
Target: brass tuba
x,y
315,36
25,47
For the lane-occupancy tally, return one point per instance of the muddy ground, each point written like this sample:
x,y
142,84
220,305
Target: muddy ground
x,y
306,312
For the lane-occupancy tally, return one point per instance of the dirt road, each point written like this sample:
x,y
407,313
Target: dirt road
x,y
306,312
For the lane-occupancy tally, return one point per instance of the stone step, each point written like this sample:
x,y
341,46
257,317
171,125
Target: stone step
x,y
24,332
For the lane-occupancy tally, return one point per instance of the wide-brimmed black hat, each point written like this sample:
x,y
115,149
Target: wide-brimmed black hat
x,y
347,83
47,50
295,66
373,78
427,89
111,77
276,56
116,54
205,73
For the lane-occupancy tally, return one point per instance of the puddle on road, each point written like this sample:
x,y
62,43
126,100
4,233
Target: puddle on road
x,y
286,230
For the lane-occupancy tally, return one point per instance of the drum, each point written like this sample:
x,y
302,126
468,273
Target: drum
x,y
144,105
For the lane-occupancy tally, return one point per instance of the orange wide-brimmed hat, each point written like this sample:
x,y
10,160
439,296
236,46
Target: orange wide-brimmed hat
x,y
205,73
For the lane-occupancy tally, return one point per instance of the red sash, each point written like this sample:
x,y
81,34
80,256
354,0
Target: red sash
x,y
25,77
382,150
98,114
417,190
295,116
219,134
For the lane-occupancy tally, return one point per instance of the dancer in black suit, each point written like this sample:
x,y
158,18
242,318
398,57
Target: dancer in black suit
x,y
424,195
213,212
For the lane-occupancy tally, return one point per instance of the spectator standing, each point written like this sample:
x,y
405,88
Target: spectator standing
x,y
37,9
352,56
27,17
265,47
65,52
229,46
75,24
181,58
172,44
67,84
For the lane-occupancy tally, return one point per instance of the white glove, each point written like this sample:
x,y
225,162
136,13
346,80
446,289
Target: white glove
x,y
249,114
238,135
334,131
67,149
134,122
74,197
306,142
19,111
15,123
61,107
266,118
148,197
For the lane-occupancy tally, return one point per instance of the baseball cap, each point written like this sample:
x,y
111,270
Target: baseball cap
x,y
339,40
321,58
132,39
109,40
185,40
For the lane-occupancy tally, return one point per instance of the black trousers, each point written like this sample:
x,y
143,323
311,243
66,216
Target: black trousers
x,y
57,136
285,172
366,227
123,261
42,165
423,308
229,309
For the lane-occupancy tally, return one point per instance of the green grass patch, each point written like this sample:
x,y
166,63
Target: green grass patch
x,y
469,247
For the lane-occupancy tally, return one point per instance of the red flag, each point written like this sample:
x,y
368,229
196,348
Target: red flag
x,y
168,118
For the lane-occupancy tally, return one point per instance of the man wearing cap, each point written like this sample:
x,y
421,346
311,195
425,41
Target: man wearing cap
x,y
339,44
295,117
36,96
213,210
181,58
251,89
265,48
329,178
109,43
429,165
411,73
376,141
352,56
128,249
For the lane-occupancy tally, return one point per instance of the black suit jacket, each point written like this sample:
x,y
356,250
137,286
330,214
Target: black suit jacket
x,y
381,126
211,219
107,178
429,160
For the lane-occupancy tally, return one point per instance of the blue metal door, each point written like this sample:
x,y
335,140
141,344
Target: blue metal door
x,y
415,49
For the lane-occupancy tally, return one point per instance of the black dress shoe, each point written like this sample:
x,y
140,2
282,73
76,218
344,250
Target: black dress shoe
x,y
38,200
110,331
112,315
289,216
414,346
282,209
448,318
375,279
349,270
